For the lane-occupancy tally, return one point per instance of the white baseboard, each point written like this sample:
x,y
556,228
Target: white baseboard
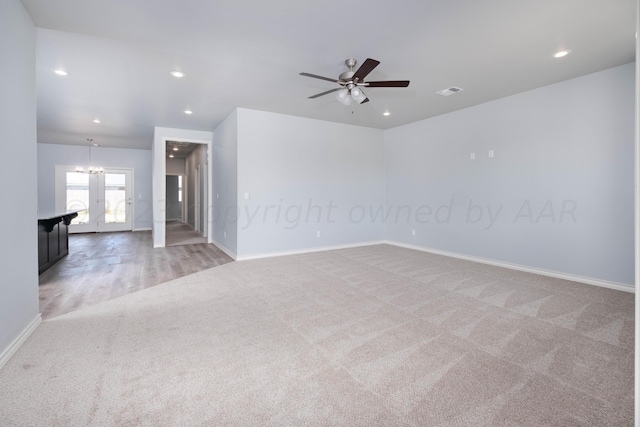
x,y
15,345
517,267
555,274
225,249
142,229
308,250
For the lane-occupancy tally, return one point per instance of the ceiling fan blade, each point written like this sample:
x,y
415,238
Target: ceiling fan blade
x,y
324,93
366,100
319,77
365,69
388,83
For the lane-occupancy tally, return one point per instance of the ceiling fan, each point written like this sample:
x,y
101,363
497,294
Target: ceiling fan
x,y
351,82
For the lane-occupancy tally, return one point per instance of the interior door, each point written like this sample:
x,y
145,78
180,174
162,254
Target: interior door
x,y
172,198
196,197
105,199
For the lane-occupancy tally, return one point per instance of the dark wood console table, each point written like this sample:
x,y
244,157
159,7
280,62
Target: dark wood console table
x,y
53,238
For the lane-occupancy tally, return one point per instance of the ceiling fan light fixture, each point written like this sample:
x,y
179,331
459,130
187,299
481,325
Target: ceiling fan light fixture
x,y
358,95
343,96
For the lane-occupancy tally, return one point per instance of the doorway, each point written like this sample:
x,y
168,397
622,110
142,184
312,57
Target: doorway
x,y
159,171
186,193
104,200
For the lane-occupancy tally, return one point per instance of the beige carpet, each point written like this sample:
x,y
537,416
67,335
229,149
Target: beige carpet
x,y
369,336
179,234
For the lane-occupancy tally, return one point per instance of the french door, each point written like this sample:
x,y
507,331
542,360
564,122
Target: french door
x,y
105,199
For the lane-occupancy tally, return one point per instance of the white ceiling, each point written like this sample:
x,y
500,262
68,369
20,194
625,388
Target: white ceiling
x,y
248,53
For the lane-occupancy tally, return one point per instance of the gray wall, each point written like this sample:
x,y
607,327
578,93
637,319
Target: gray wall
x,y
225,184
174,208
50,155
18,245
175,167
558,195
304,176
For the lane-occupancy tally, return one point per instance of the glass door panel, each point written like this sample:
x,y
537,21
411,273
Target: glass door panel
x,y
77,196
115,198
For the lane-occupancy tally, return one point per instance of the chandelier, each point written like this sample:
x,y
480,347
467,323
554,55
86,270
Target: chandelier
x,y
92,169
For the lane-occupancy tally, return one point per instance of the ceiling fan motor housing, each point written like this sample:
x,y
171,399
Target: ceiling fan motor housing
x,y
346,77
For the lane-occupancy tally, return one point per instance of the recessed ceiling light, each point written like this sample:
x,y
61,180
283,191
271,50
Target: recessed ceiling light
x,y
60,72
175,148
561,53
386,113
171,156
96,120
177,74
188,112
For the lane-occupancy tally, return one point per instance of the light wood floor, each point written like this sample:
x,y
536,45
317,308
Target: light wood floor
x,y
102,266
178,233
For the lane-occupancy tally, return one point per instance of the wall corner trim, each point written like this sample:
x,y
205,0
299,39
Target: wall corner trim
x,y
15,345
555,274
225,249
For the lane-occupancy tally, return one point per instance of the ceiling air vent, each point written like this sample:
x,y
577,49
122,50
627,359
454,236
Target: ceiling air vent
x,y
449,91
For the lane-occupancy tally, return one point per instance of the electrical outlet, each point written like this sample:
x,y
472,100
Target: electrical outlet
x,y
225,234
317,234
246,196
472,156
491,154
413,232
